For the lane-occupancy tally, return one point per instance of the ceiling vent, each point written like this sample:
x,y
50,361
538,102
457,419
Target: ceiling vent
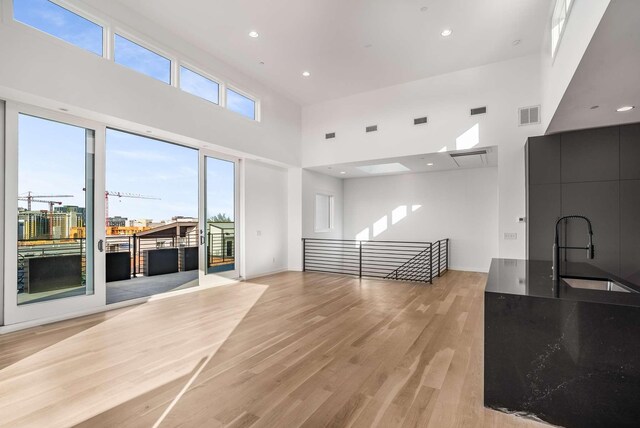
x,y
329,135
528,115
474,159
420,120
478,110
372,128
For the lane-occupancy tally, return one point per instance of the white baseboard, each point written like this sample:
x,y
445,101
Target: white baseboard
x,y
469,269
260,275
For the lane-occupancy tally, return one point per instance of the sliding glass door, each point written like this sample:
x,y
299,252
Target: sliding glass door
x,y
219,231
52,248
151,198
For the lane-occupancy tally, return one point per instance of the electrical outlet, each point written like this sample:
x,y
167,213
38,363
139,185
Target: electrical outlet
x,y
510,235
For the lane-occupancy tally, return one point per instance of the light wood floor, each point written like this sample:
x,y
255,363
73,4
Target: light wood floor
x,y
293,349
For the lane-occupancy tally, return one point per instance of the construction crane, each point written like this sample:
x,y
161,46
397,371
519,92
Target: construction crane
x,y
31,198
120,195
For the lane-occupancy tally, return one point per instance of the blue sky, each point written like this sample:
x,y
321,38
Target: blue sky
x,y
59,22
51,160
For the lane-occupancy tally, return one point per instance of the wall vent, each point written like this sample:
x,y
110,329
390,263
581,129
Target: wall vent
x,y
472,159
420,120
372,128
528,115
478,110
330,135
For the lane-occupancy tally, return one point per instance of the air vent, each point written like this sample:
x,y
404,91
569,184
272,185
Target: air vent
x,y
372,128
330,135
478,110
474,159
420,120
528,115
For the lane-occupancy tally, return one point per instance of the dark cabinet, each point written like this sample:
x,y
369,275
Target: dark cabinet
x,y
595,173
600,202
590,155
544,210
630,225
630,152
544,159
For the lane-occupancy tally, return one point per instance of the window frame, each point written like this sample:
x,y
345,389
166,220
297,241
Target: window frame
x,y
221,86
256,102
93,18
173,74
331,225
567,13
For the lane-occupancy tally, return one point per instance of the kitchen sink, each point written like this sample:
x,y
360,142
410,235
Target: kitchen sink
x,y
597,284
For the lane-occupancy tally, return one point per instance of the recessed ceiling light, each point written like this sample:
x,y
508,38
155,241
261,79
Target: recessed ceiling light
x,y
261,62
516,42
424,9
253,34
594,107
368,46
148,131
306,74
626,108
343,172
430,164
64,109
446,32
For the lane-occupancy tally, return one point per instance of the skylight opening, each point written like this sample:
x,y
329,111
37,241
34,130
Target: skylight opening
x,y
384,168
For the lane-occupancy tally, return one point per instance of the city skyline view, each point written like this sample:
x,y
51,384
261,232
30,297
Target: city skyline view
x,y
134,164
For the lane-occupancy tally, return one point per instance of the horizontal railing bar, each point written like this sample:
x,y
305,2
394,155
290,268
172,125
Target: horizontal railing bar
x,y
367,242
332,256
337,265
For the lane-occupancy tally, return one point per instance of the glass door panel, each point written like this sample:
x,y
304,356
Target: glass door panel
x,y
220,216
55,234
151,213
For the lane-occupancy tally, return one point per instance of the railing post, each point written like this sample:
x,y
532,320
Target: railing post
x,y
446,266
135,251
439,257
304,254
431,263
360,264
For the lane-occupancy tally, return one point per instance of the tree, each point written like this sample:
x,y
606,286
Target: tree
x,y
220,218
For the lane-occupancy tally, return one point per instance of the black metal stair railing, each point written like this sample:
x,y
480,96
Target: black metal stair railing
x,y
397,260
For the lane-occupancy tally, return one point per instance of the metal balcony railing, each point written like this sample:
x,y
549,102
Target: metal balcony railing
x,y
397,260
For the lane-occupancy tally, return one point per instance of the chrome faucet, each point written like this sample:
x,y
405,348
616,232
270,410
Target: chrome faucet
x,y
557,247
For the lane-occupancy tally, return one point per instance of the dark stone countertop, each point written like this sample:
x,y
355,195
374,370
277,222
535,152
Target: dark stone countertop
x,y
533,278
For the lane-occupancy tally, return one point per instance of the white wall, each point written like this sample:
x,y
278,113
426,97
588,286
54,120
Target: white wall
x,y
461,205
557,72
265,219
40,69
313,183
294,217
502,87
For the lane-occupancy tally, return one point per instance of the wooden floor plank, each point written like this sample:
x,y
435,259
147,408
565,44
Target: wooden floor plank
x,y
291,349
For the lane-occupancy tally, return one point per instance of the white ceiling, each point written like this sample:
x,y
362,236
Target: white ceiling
x,y
329,38
608,74
415,163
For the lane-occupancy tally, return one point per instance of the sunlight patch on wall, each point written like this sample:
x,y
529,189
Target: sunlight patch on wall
x,y
380,226
442,150
398,214
415,208
363,235
469,139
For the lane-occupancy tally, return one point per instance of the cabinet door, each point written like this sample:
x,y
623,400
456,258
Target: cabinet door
x,y
591,155
630,152
544,159
630,230
544,211
598,201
